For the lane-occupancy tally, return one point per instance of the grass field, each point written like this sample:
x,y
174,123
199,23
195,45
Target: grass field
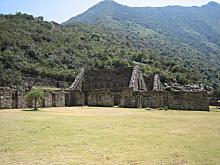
x,y
83,135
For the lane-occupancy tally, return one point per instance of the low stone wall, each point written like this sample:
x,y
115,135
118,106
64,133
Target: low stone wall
x,y
77,98
5,98
188,101
100,97
128,100
11,98
165,99
214,103
51,99
14,98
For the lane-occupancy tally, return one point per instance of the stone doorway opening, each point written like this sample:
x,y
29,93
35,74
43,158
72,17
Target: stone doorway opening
x,y
15,100
67,100
43,104
53,99
117,97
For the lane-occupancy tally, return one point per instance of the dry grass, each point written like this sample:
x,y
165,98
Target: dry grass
x,y
83,135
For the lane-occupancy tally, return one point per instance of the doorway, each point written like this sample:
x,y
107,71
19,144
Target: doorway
x,y
117,97
53,100
67,100
15,100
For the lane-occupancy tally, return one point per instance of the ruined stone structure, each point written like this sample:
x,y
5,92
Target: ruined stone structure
x,y
124,87
214,102
11,98
128,87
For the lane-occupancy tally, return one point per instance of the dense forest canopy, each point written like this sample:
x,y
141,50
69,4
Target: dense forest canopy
x,y
31,46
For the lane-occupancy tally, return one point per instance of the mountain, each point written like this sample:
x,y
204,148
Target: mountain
x,y
189,35
32,47
112,35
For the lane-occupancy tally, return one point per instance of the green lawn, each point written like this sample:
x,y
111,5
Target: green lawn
x,y
82,135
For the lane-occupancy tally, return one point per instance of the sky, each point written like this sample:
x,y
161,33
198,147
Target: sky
x,y
61,10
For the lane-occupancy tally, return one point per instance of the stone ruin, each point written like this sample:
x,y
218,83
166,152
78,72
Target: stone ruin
x,y
123,87
128,87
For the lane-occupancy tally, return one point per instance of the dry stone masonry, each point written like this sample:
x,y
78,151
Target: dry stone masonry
x,y
128,87
124,87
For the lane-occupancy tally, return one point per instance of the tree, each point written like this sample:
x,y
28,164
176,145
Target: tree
x,y
34,95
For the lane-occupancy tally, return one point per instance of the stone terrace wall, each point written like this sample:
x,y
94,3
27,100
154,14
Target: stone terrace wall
x,y
171,100
102,97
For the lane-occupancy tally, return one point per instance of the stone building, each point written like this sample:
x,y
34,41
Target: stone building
x,y
128,87
123,87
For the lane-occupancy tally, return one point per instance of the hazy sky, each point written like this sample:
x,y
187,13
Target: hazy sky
x,y
62,10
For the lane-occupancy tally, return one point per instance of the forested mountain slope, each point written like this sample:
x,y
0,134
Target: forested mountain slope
x,y
190,36
33,47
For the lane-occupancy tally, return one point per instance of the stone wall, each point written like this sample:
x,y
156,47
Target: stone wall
x,y
77,84
51,99
5,98
171,100
154,99
128,100
188,100
153,83
14,98
149,81
214,103
11,98
77,98
112,79
100,97
157,86
137,81
58,99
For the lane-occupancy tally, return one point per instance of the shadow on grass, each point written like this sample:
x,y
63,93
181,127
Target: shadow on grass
x,y
30,110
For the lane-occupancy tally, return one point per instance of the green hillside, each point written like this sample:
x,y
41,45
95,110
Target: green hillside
x,y
190,36
33,47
